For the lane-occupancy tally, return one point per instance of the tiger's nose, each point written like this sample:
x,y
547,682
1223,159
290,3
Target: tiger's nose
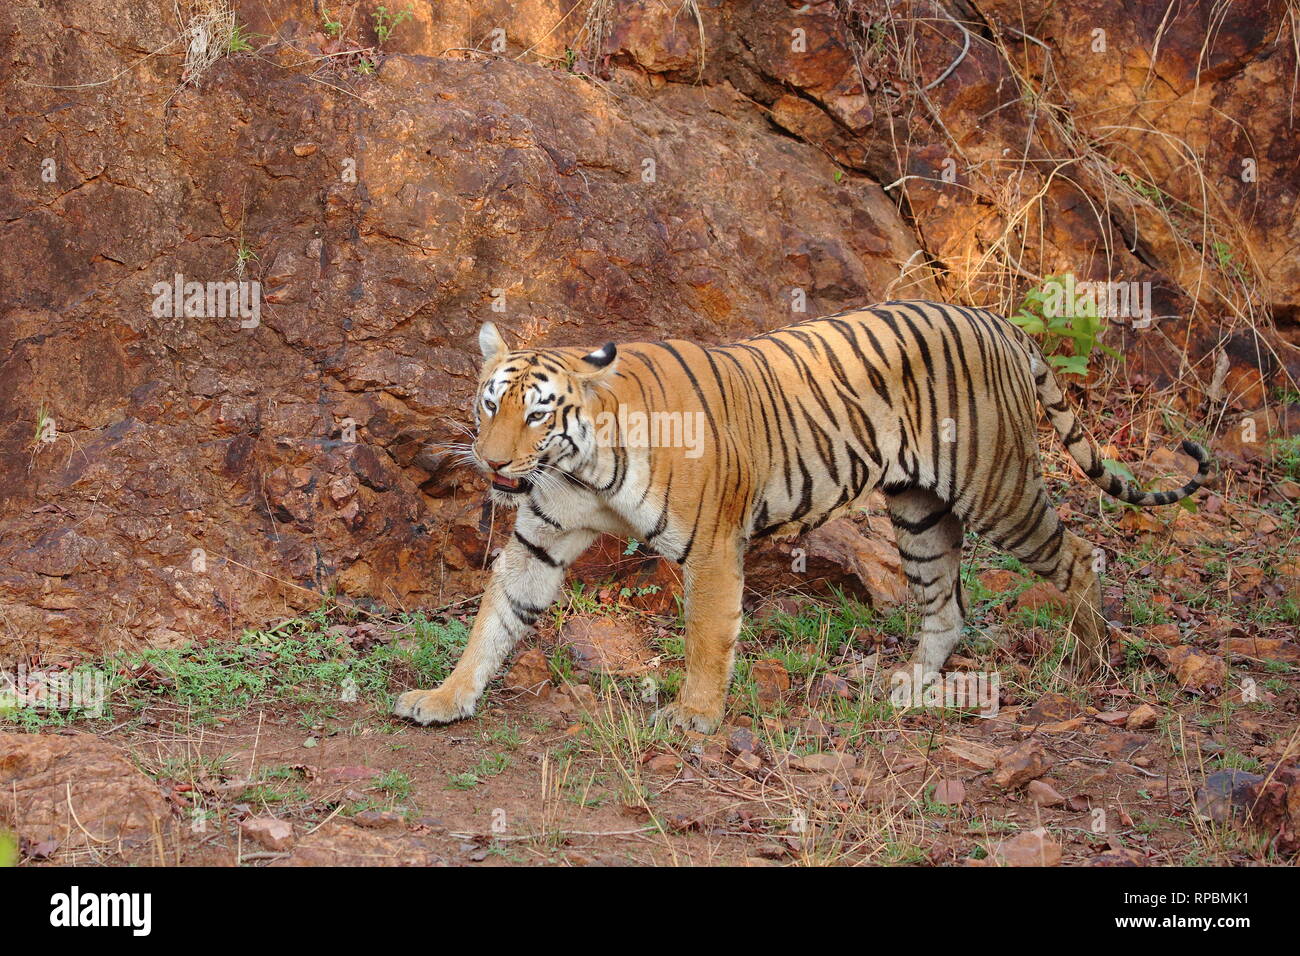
x,y
495,465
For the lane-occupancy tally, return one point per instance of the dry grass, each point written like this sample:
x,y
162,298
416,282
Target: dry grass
x,y
209,29
1202,241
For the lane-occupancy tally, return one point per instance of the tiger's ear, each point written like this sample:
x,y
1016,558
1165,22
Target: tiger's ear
x,y
599,362
490,342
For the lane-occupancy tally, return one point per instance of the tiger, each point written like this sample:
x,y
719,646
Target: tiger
x,y
934,405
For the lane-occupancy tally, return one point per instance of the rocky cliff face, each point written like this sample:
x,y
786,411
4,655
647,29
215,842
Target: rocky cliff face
x,y
576,172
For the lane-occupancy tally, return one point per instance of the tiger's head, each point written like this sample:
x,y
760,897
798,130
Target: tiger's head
x,y
532,409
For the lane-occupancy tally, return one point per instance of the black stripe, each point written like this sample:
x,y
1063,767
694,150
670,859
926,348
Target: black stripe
x,y
539,553
536,510
527,613
922,526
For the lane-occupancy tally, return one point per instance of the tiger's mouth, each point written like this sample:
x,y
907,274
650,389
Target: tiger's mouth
x,y
514,486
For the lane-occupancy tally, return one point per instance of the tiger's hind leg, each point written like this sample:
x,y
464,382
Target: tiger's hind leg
x,y
1035,534
929,539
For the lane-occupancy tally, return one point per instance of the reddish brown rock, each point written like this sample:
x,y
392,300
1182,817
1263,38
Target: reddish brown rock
x,y
1044,794
1016,766
1050,708
1262,649
873,562
749,762
1274,804
831,685
76,791
306,453
663,763
771,679
1196,670
856,555
1141,717
273,834
530,673
606,645
998,580
1031,848
345,844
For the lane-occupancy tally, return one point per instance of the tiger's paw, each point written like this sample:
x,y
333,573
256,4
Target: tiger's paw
x,y
439,706
688,718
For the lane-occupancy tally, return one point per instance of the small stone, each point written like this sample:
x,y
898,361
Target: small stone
x,y
1051,708
1044,794
831,685
342,488
271,833
1042,594
771,679
1225,794
662,763
1016,766
1032,848
530,673
1141,717
375,819
998,580
1196,670
742,741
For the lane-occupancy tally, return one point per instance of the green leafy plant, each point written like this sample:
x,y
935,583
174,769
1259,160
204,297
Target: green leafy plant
x,y
1227,261
386,23
1044,312
240,40
332,27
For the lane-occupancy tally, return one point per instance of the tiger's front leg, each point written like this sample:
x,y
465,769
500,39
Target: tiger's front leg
x,y
713,591
525,581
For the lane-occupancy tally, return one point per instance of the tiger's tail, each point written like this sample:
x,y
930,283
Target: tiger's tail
x,y
1084,451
